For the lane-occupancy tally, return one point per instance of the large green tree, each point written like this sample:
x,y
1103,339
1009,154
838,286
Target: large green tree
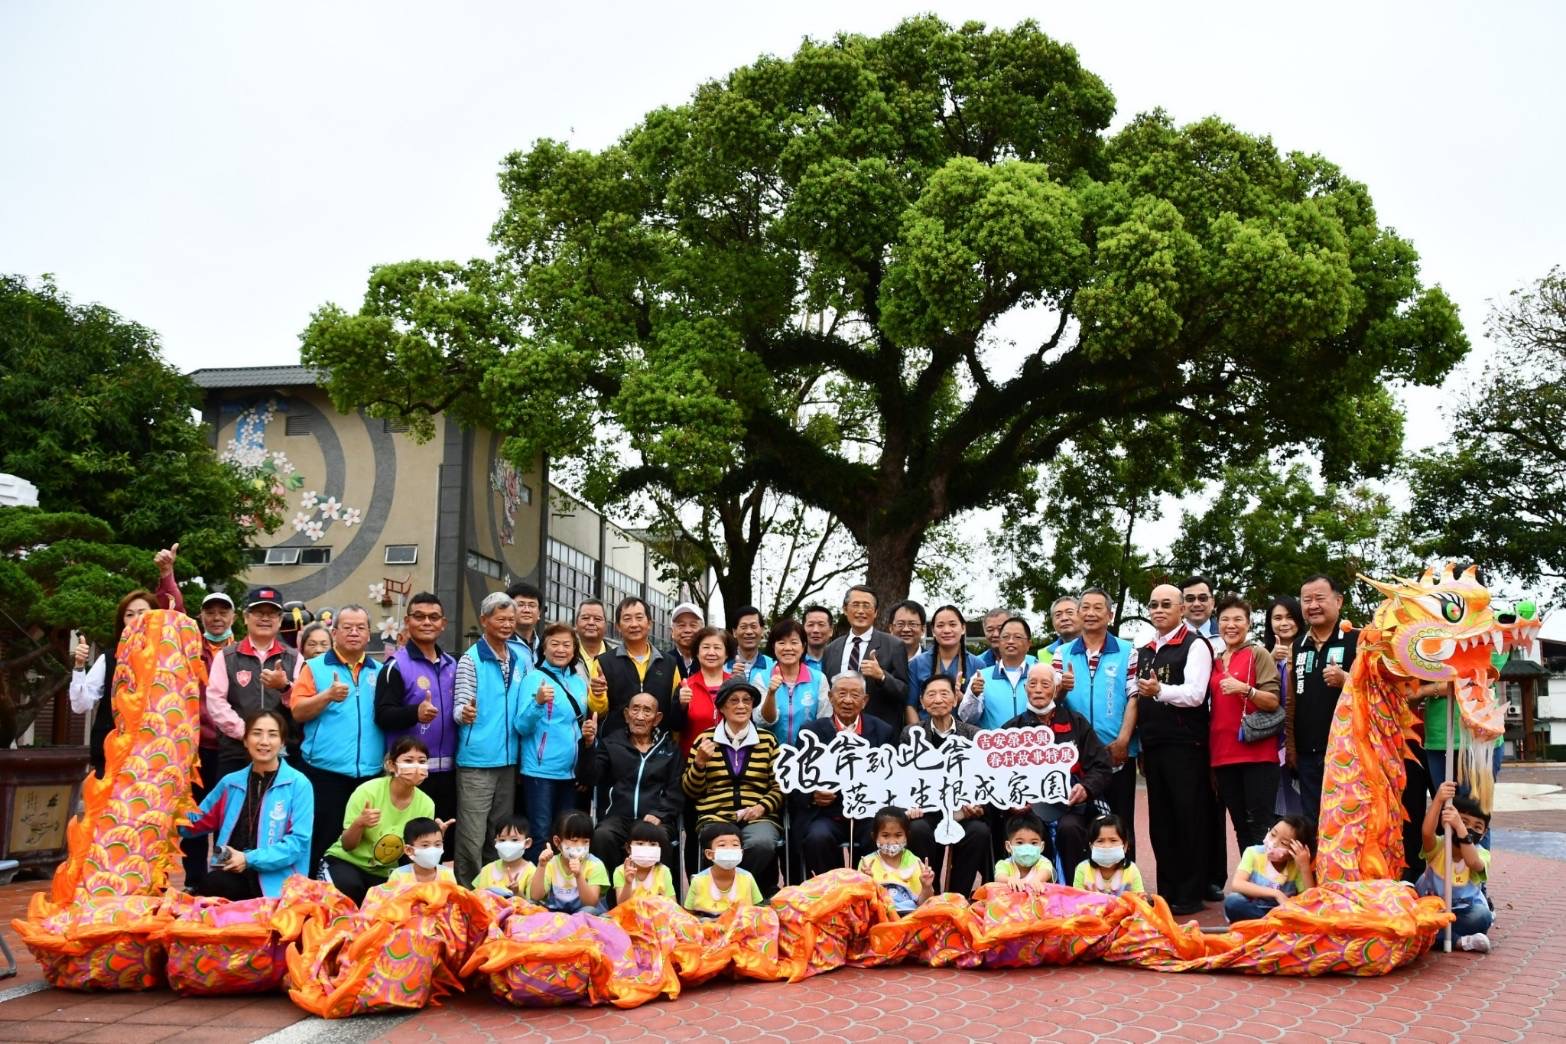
x,y
1265,529
892,275
103,426
1495,492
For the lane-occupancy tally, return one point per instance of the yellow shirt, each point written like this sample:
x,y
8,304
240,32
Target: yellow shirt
x,y
494,875
703,896
1041,873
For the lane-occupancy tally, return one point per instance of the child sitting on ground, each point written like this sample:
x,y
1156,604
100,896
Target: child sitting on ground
x,y
569,878
1026,870
1108,870
1273,871
423,842
1470,864
643,870
510,874
906,879
724,883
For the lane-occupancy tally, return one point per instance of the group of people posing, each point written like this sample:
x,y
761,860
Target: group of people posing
x,y
546,754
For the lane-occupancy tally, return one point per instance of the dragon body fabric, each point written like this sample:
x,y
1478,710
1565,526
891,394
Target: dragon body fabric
x,y
1440,628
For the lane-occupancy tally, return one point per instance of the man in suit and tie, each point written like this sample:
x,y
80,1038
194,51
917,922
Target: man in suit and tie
x,y
879,657
818,821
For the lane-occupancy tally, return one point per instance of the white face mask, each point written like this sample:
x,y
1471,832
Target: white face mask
x,y
645,855
1044,711
1110,855
510,851
891,849
727,858
428,858
574,851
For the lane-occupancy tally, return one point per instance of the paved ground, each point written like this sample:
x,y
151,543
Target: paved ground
x,y
1517,992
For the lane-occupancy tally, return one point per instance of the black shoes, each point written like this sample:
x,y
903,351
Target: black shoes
x,y
1186,909
1214,894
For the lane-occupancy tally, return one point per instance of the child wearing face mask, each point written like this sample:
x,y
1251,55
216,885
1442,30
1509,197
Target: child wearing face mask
x,y
723,884
643,870
1273,871
511,873
1108,870
906,879
372,842
424,845
573,880
1026,868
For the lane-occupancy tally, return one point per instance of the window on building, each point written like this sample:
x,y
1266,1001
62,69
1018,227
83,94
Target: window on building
x,y
299,424
661,605
282,556
618,586
402,554
568,581
315,555
255,555
485,565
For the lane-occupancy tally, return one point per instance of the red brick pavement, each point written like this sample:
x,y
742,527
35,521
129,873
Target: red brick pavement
x,y
1517,992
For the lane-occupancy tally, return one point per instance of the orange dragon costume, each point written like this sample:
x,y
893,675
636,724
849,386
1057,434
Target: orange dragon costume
x,y
112,923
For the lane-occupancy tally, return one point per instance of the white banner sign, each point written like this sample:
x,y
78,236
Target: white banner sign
x,y
1008,768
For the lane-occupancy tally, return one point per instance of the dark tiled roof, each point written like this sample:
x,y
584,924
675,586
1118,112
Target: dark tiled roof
x,y
255,377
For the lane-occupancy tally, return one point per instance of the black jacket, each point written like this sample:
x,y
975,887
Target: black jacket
x,y
888,697
1092,769
639,784
623,682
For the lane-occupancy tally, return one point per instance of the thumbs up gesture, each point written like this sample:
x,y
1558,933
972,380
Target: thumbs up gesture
x,y
870,667
83,650
427,711
1066,681
685,694
546,694
777,679
338,690
590,729
977,685
164,559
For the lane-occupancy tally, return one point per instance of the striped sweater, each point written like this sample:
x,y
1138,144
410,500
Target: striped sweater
x,y
719,794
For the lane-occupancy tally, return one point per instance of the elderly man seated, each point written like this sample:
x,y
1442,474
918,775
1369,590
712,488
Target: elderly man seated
x,y
817,819
1066,823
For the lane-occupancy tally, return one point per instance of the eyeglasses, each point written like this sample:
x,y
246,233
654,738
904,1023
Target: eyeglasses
x,y
859,605
426,617
353,628
1162,605
1198,598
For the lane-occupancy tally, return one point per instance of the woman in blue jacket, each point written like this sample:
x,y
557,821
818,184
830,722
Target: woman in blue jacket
x,y
554,705
948,656
263,816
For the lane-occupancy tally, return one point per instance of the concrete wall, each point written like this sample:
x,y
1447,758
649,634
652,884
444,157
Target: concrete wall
x,y
387,479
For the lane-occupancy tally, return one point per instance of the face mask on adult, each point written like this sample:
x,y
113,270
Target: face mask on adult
x,y
510,851
428,858
728,858
1026,854
645,855
1109,855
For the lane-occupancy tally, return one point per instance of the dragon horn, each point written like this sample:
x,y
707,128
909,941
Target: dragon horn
x,y
1386,589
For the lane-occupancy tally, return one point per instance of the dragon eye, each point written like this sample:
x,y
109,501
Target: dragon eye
x,y
1452,607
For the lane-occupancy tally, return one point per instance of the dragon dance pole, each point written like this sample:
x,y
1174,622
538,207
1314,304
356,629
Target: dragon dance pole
x,y
1446,849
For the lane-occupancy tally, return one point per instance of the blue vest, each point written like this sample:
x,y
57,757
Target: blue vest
x,y
1100,696
491,741
344,738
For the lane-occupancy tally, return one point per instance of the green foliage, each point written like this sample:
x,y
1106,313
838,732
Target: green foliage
x,y
1263,531
103,427
1495,493
797,277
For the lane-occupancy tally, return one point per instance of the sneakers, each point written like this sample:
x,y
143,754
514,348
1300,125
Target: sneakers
x,y
1476,943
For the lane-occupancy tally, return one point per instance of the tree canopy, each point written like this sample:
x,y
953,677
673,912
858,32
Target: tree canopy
x,y
104,427
892,276
1495,493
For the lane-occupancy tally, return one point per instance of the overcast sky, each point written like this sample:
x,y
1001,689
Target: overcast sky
x,y
217,171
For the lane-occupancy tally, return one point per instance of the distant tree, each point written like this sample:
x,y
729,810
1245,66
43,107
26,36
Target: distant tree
x,y
1495,491
800,277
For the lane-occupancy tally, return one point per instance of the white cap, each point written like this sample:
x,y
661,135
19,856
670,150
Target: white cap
x,y
688,607
218,596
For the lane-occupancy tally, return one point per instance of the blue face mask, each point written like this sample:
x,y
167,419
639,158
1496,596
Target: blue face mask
x,y
1025,854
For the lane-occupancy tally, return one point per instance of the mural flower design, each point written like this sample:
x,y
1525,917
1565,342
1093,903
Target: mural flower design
x,y
351,516
391,629
331,507
307,499
301,520
314,530
377,592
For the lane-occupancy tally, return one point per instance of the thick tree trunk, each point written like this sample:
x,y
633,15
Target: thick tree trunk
x,y
891,562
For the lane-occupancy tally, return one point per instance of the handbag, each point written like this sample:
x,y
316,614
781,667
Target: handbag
x,y
1259,724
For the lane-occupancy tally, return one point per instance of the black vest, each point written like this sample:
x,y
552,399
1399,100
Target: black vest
x,y
248,695
1162,724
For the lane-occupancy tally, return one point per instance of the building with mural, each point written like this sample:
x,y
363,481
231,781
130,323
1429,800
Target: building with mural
x,y
373,516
